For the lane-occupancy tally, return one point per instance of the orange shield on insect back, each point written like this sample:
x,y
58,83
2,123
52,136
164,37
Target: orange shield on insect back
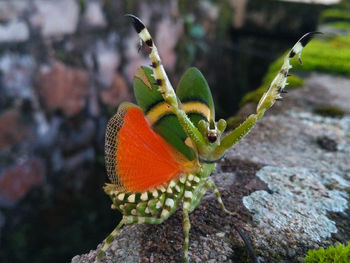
x,y
137,158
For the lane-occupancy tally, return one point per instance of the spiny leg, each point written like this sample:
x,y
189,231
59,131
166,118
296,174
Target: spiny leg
x,y
272,94
164,84
198,196
186,227
109,240
127,220
211,184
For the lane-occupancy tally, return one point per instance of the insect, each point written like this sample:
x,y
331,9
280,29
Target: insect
x,y
160,154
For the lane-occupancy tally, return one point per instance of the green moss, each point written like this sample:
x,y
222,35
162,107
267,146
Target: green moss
x,y
338,254
330,55
334,14
339,25
329,111
337,17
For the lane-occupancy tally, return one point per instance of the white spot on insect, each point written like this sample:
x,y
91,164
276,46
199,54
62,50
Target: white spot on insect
x,y
203,191
121,196
196,179
131,198
164,213
144,34
183,179
186,205
169,202
158,59
147,210
141,220
158,205
155,193
172,184
177,188
190,177
188,194
144,196
298,48
113,206
134,212
161,188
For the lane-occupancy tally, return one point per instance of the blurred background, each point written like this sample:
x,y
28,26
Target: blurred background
x,y
66,65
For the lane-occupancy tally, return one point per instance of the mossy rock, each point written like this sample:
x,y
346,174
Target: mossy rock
x,y
329,111
338,254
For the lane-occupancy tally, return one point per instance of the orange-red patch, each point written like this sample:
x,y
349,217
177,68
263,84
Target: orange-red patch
x,y
144,159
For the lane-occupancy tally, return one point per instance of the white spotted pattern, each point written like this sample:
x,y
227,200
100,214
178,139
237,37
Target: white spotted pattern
x,y
188,194
131,198
121,196
144,196
169,202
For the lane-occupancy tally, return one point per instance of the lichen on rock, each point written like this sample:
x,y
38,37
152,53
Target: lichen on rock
x,y
299,202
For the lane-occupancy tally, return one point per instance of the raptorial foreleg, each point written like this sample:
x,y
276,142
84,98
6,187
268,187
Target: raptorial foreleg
x,y
272,94
164,84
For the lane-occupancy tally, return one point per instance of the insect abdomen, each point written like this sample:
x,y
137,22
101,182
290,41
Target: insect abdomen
x,y
160,202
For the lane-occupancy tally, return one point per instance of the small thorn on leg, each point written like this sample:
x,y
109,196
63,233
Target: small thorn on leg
x,y
301,62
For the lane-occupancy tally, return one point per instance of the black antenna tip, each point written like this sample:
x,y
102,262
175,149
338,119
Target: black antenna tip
x,y
138,25
307,37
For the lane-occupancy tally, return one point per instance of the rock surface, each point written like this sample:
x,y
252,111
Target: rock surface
x,y
63,88
290,193
48,17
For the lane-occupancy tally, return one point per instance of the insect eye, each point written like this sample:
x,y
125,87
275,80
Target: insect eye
x,y
212,137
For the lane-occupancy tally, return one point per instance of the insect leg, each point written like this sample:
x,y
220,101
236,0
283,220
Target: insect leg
x,y
109,240
197,197
127,220
164,84
211,184
186,227
272,94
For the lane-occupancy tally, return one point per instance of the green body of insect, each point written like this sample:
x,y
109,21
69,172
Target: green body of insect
x,y
185,120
